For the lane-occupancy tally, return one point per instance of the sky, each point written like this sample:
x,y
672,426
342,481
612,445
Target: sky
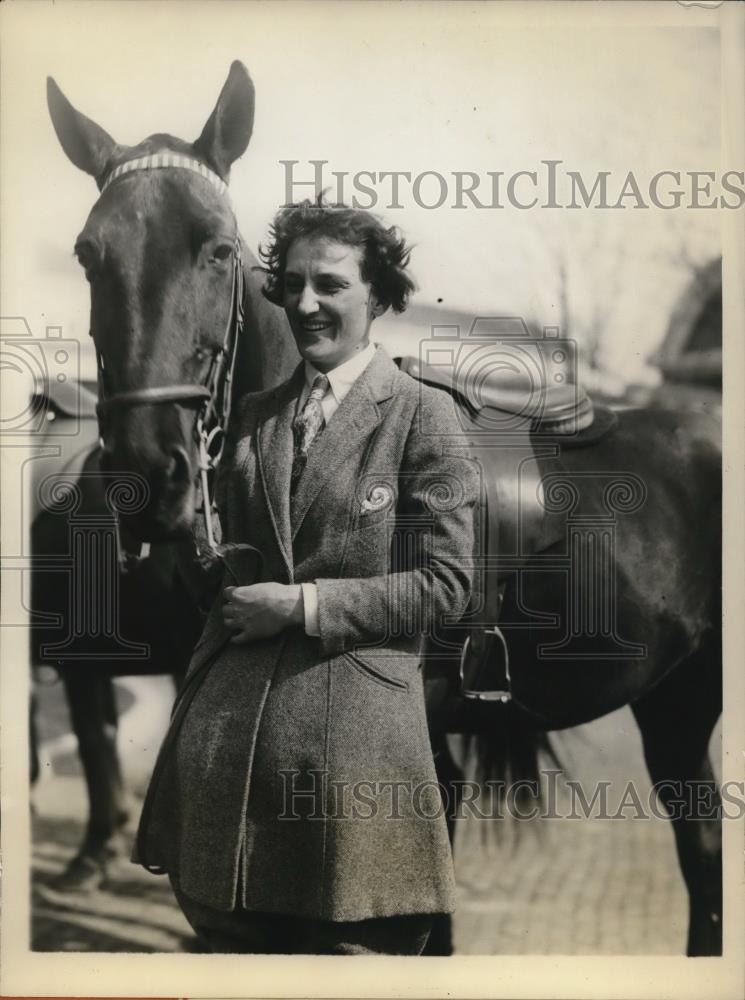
x,y
389,87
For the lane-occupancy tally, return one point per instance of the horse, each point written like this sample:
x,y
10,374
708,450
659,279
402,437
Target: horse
x,y
620,565
160,598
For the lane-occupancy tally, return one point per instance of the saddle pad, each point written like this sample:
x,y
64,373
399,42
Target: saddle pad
x,y
604,421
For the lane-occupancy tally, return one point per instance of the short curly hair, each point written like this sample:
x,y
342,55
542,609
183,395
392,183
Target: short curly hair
x,y
385,255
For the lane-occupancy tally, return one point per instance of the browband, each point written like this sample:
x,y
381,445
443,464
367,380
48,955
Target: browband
x,y
156,161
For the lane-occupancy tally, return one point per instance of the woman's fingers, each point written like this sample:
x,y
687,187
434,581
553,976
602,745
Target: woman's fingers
x,y
236,621
239,595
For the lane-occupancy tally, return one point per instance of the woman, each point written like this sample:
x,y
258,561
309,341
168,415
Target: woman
x,y
294,804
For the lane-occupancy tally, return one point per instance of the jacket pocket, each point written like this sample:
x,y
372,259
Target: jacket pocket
x,y
375,519
373,673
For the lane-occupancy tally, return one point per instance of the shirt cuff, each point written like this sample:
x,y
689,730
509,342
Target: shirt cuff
x,y
310,608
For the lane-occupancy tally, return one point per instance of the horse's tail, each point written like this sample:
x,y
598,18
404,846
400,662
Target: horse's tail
x,y
511,760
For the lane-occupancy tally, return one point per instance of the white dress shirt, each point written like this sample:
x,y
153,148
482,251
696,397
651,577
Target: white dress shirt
x,y
341,380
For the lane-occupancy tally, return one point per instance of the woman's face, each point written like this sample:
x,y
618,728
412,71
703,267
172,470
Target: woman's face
x,y
329,306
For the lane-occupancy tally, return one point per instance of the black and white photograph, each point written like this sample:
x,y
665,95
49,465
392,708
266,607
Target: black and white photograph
x,y
372,475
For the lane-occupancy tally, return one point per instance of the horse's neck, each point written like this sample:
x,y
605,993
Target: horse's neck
x,y
267,354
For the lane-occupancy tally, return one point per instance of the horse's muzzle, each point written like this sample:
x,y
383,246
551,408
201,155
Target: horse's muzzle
x,y
156,495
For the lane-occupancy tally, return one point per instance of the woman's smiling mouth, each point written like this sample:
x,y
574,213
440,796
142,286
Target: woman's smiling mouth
x,y
315,326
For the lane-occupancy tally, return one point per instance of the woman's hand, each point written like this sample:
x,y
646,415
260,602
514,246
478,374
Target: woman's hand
x,y
262,610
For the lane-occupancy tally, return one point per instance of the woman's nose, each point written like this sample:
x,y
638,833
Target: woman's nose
x,y
308,301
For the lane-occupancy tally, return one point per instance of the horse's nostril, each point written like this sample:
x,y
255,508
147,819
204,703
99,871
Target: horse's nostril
x,y
179,468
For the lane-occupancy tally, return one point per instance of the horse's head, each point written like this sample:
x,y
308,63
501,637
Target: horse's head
x,y
159,252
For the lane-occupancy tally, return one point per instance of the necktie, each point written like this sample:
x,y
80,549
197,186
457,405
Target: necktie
x,y
306,426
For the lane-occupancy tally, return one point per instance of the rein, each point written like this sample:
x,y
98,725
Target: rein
x,y
213,398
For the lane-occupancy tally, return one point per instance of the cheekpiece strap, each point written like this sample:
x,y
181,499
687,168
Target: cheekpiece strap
x,y
156,161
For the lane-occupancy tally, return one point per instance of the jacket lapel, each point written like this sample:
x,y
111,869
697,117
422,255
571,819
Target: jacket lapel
x,y
275,458
349,428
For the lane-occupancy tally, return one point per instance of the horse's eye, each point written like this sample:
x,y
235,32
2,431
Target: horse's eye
x,y
223,251
87,256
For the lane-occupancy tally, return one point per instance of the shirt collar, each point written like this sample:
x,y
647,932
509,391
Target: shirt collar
x,y
342,379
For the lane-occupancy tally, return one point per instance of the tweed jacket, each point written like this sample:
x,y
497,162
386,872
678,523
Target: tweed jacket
x,y
297,776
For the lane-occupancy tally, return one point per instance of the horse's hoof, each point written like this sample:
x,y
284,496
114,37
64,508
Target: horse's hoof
x,y
84,874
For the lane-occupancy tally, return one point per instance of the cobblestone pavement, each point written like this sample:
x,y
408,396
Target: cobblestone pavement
x,y
585,886
552,886
134,911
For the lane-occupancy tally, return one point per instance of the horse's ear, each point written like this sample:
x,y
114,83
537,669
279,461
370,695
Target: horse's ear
x,y
225,136
85,143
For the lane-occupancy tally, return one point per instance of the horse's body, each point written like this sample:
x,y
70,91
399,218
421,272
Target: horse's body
x,y
665,566
658,646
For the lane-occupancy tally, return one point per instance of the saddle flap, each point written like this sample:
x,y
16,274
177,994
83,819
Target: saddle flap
x,y
68,399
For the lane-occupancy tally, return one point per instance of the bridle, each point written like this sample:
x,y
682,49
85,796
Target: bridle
x,y
212,398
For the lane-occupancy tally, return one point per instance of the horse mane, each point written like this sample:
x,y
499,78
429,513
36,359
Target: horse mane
x,y
267,354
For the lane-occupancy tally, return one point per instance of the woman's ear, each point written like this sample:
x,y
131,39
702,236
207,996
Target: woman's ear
x,y
376,308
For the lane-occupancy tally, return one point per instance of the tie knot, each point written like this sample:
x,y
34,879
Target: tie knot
x,y
320,387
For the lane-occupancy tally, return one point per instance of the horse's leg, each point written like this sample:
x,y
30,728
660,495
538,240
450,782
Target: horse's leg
x,y
449,777
676,720
33,739
92,704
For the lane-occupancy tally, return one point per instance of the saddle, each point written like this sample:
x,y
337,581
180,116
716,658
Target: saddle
x,y
560,409
67,400
67,437
516,431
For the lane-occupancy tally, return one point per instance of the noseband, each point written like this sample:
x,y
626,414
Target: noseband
x,y
212,398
